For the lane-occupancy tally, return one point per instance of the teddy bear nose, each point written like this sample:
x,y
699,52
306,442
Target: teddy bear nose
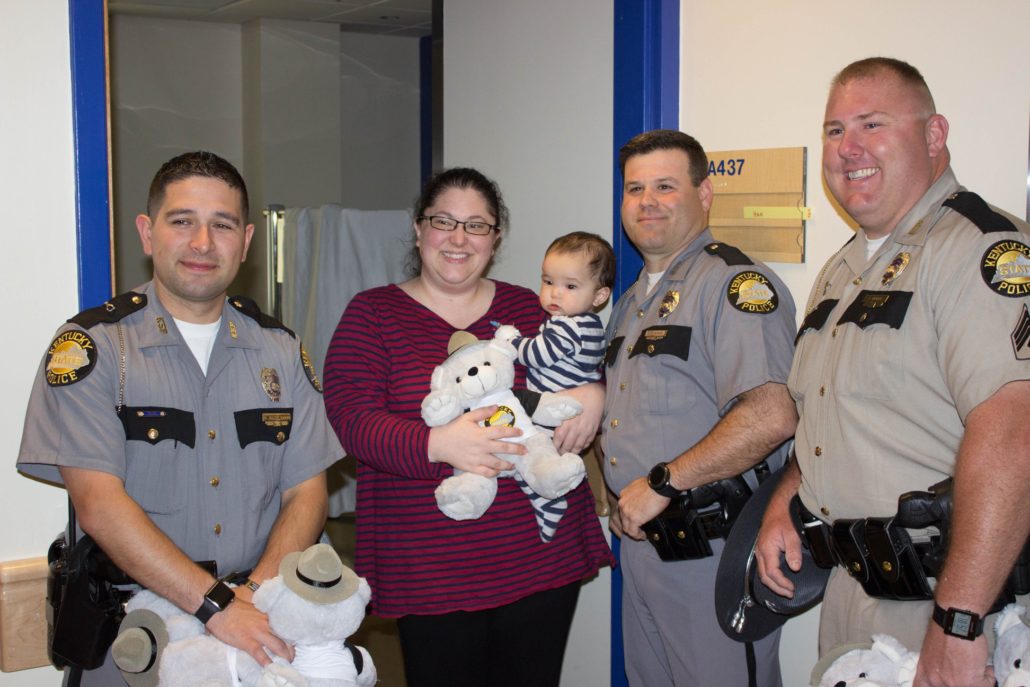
x,y
473,371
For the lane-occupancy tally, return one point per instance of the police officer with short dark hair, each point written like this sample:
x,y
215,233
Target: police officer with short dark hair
x,y
186,426
698,354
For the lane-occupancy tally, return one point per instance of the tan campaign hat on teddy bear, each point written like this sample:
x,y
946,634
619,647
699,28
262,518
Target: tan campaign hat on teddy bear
x,y
318,575
141,638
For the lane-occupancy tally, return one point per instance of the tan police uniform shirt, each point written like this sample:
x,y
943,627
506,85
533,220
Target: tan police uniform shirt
x,y
899,348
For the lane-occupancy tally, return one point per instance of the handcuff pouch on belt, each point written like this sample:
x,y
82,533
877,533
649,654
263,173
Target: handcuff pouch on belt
x,y
683,530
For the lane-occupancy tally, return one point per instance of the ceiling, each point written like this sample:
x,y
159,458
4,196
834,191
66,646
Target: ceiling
x,y
390,17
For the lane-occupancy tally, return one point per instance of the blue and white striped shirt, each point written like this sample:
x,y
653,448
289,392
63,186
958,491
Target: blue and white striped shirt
x,y
566,353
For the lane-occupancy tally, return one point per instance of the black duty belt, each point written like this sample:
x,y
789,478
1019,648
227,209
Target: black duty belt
x,y
880,555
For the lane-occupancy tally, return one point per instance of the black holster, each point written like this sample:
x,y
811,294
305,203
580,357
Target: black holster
x,y
83,610
682,531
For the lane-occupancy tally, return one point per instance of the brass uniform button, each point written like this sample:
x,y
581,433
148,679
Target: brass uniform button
x,y
833,334
613,460
615,423
650,348
629,349
622,386
818,450
680,534
215,481
640,313
211,434
825,511
858,280
822,391
136,300
862,317
152,434
280,437
218,528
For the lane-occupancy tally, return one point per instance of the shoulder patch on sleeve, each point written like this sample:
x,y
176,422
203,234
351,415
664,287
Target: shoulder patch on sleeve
x,y
71,357
309,369
731,255
113,310
977,211
752,292
1005,268
251,310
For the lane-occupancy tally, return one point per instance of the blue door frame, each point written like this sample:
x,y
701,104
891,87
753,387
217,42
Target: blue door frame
x,y
646,95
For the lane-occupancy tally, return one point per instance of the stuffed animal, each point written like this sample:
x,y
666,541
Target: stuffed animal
x,y
883,663
1012,647
481,373
314,604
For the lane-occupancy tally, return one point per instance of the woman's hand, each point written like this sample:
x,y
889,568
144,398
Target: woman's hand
x,y
575,434
466,445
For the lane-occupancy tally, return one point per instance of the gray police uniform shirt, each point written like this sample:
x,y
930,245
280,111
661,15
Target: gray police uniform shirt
x,y
715,325
206,457
899,348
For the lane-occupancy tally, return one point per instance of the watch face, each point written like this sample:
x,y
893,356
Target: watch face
x,y
658,477
221,595
961,623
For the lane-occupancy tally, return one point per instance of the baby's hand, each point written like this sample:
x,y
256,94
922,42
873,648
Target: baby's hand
x,y
506,332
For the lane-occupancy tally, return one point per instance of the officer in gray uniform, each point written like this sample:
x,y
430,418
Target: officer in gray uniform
x,y
912,367
185,426
698,355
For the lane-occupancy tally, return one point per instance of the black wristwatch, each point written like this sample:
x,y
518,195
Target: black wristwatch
x,y
658,479
217,599
959,623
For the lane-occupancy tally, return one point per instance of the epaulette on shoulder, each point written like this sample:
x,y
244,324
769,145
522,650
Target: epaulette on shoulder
x,y
114,310
730,254
977,211
251,310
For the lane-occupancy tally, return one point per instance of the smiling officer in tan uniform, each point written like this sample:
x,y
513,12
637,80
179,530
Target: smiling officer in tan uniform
x,y
912,367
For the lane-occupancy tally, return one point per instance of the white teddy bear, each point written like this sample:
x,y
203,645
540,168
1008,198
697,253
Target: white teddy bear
x,y
481,373
883,663
314,603
1012,647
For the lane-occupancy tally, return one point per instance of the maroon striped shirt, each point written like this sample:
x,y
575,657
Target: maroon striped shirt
x,y
416,559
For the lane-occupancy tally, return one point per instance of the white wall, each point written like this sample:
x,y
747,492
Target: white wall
x,y
379,121
175,87
755,75
528,101
37,190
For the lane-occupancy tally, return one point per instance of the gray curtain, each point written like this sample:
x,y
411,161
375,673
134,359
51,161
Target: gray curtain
x,y
329,255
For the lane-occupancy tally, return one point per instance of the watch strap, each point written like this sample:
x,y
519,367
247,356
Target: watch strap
x,y
958,622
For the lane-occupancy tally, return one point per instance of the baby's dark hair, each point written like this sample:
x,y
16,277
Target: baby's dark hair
x,y
602,257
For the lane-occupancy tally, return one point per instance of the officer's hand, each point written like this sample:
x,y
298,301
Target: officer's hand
x,y
245,627
946,661
638,504
777,536
464,444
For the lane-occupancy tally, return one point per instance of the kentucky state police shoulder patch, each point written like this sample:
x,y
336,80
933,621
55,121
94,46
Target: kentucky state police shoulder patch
x,y
1005,268
70,358
752,292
